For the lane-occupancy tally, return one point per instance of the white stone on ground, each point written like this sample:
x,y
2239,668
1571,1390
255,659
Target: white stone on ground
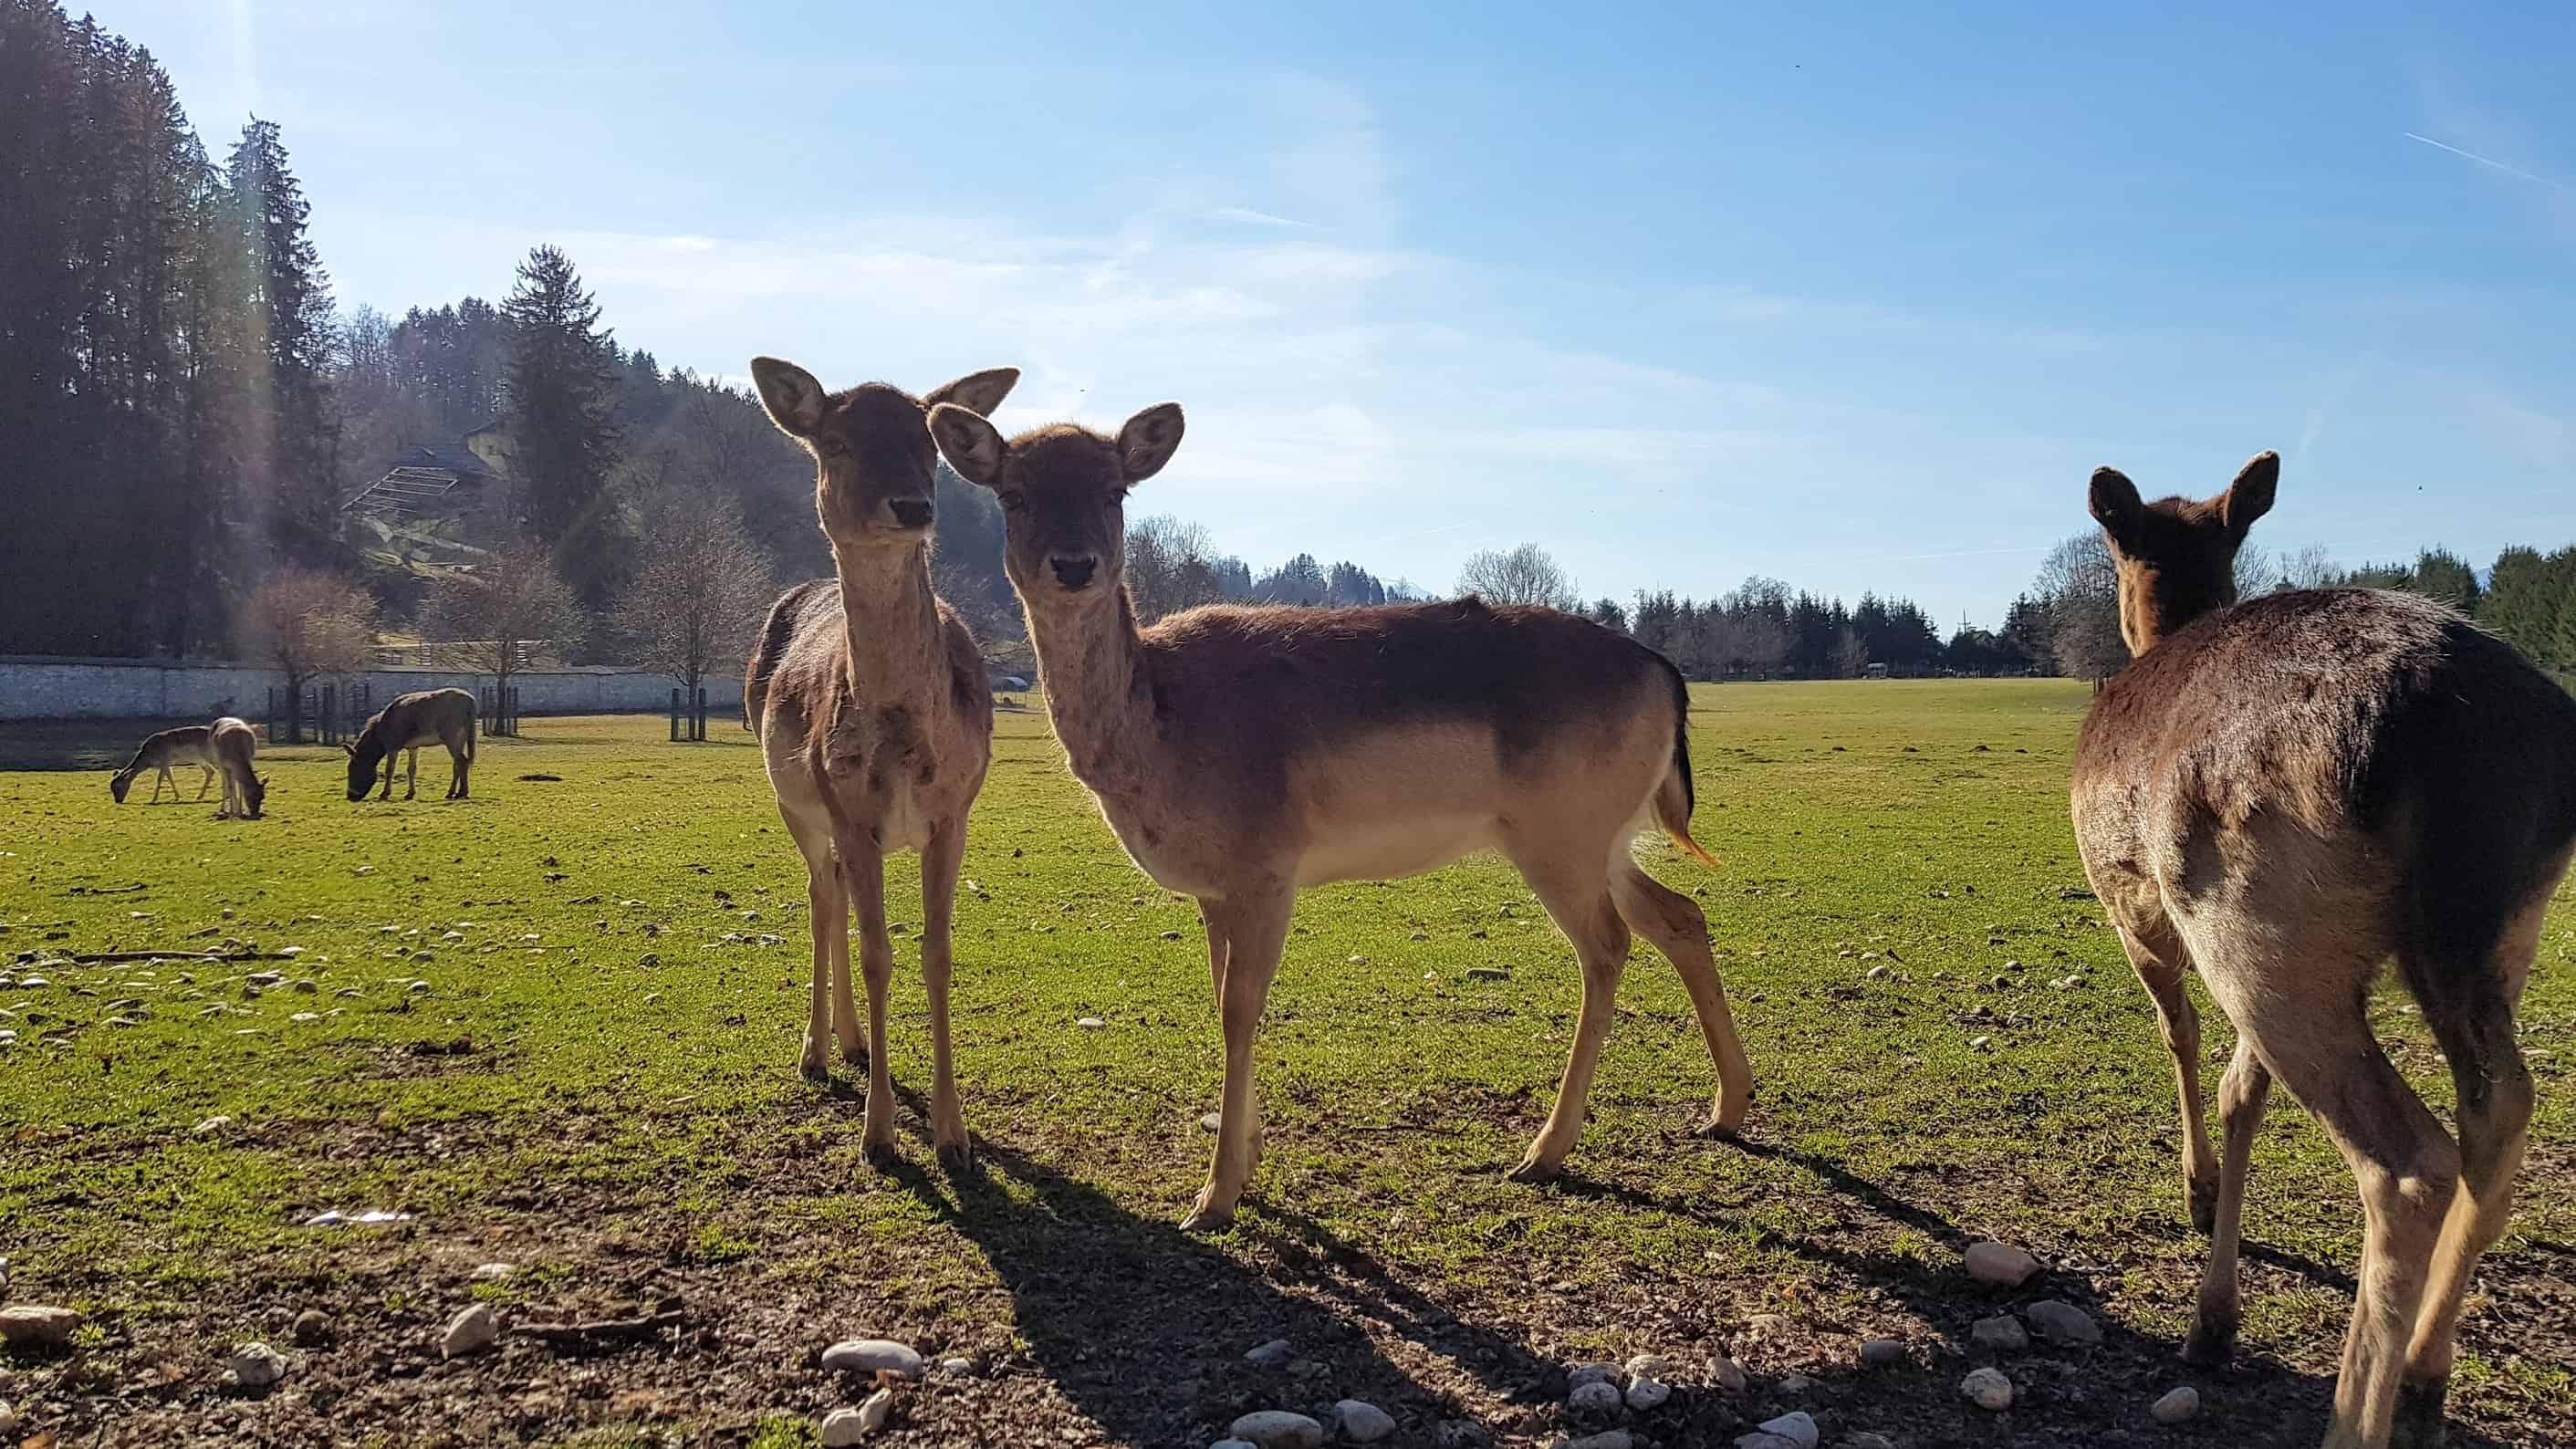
x,y
2000,1264
1362,1422
470,1331
1593,1395
1650,1366
1595,1372
956,1368
2177,1406
8,1418
1090,1023
1882,1352
2002,1333
2063,1324
873,1355
1278,1429
1729,1374
1798,1428
1647,1393
256,1365
211,1124
1276,1351
1988,1389
493,1272
37,1325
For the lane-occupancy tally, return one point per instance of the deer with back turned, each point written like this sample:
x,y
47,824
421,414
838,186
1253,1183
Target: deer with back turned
x,y
875,716
1244,754
2285,794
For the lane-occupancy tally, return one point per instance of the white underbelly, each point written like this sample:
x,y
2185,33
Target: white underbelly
x,y
1388,849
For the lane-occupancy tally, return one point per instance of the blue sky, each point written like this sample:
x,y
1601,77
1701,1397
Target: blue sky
x,y
1850,295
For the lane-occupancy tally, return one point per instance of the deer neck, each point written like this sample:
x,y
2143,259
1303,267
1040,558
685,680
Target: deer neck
x,y
890,624
1091,660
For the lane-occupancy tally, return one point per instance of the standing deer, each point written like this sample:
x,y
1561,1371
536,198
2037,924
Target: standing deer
x,y
1243,754
2284,794
235,743
186,745
422,717
223,750
875,718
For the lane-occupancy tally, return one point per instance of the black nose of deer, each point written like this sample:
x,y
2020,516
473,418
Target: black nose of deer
x,y
1073,573
910,512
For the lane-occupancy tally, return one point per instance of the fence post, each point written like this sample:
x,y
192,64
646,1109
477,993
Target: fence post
x,y
675,714
514,711
329,723
273,735
702,714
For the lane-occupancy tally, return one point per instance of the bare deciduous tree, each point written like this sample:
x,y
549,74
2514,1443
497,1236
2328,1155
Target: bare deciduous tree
x,y
700,588
2310,568
307,625
502,617
1170,567
2082,591
1525,575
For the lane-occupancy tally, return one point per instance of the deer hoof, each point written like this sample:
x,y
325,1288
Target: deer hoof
x,y
1534,1168
2211,1340
957,1156
1207,1220
2419,1414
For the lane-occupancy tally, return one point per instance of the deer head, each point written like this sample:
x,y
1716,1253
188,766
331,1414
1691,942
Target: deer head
x,y
1064,496
873,459
119,783
254,795
2177,558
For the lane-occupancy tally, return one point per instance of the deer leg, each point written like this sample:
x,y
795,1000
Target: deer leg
x,y
1256,930
2471,1013
1673,922
941,860
864,866
827,911
159,779
2242,1094
2160,959
205,783
1583,910
411,776
392,762
2318,1042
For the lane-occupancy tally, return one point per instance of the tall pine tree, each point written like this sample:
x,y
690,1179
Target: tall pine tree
x,y
561,414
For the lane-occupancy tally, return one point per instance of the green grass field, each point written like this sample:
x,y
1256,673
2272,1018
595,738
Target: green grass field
x,y
598,1084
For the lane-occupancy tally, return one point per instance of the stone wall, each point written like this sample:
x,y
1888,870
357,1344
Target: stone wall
x,y
36,687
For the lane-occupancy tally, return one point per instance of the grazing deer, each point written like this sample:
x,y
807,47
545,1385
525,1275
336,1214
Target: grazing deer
x,y
1243,754
235,743
422,717
186,745
875,717
2284,794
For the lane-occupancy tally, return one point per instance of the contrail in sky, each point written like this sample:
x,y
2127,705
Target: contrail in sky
x,y
2484,161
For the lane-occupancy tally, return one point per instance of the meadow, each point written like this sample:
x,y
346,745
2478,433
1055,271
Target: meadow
x,y
556,1026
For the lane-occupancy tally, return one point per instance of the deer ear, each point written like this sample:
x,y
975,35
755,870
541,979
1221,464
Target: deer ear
x,y
350,748
979,392
973,447
2115,504
790,393
2250,496
1148,441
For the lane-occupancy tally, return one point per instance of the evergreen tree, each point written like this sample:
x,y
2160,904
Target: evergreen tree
x,y
279,333
560,417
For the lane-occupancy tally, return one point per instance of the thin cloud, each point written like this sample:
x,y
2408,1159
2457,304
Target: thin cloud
x,y
2488,162
1250,217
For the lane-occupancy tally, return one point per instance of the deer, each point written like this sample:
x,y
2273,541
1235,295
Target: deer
x,y
186,745
235,743
875,718
2284,794
422,717
223,750
1243,754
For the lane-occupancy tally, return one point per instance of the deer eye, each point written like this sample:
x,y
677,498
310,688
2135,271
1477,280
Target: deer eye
x,y
830,448
1014,501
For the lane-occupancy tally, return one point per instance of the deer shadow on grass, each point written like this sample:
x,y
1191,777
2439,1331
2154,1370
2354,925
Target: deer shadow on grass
x,y
2091,1395
1143,1328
